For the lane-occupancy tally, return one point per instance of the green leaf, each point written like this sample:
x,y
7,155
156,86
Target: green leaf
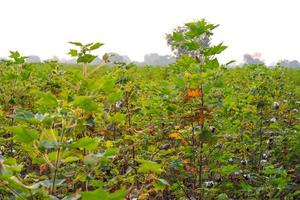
x,y
108,85
73,52
48,139
76,43
95,195
191,45
24,135
215,50
96,46
85,103
246,187
230,62
48,100
110,152
196,28
149,166
101,194
13,182
14,54
23,115
87,58
228,169
161,184
71,159
87,143
10,161
75,196
177,37
91,160
179,81
114,97
97,183
223,196
117,118
118,195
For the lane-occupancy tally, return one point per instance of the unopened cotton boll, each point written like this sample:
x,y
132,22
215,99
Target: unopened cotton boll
x,y
276,105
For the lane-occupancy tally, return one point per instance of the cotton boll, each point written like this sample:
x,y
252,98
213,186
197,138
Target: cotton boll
x,y
212,129
209,184
273,119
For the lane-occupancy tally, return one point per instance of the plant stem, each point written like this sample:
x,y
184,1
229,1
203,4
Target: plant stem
x,y
84,69
57,159
260,139
11,134
202,129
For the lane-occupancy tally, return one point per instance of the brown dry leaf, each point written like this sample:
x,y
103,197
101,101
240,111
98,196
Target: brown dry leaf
x,y
186,97
184,142
201,120
43,168
190,168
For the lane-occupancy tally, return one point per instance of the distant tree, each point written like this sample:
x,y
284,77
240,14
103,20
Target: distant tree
x,y
252,59
119,58
156,59
288,63
33,59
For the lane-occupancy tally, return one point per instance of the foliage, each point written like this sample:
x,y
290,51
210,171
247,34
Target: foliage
x,y
192,130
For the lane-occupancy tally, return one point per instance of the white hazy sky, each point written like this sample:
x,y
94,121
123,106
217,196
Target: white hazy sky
x,y
137,27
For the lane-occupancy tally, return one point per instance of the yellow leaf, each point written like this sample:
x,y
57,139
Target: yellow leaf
x,y
175,135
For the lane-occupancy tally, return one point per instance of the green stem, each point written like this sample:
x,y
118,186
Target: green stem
x,y
57,159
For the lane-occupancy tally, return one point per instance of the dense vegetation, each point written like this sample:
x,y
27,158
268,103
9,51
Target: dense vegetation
x,y
192,130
